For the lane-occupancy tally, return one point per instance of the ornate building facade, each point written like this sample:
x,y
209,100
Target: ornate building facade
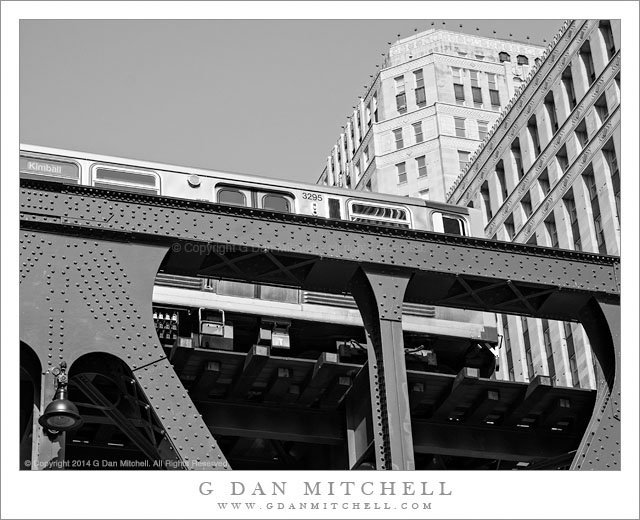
x,y
548,174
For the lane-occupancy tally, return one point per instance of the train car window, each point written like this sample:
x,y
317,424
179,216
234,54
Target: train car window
x,y
139,182
49,169
453,225
231,196
276,203
374,213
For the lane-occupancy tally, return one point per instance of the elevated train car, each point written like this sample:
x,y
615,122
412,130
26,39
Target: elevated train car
x,y
277,195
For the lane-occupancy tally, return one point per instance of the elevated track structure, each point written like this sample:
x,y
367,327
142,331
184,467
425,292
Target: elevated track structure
x,y
89,258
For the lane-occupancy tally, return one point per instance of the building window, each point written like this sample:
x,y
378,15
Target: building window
x,y
581,134
463,159
401,169
509,227
424,194
477,97
567,82
460,127
375,108
397,134
417,130
483,129
587,61
507,347
602,110
401,97
522,60
543,182
486,199
419,91
502,180
367,186
607,36
527,207
458,88
503,57
550,106
357,169
609,154
546,336
552,231
476,92
368,114
517,157
563,160
572,214
571,351
532,127
422,166
494,95
602,244
527,347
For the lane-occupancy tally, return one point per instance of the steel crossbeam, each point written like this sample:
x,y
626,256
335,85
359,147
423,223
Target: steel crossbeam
x,y
89,257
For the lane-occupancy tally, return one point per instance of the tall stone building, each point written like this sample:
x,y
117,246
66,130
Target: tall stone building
x,y
548,174
432,102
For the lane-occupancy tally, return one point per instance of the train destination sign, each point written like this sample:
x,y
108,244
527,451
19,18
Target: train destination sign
x,y
48,167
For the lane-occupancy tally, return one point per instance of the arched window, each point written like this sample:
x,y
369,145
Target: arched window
x,y
231,196
522,60
276,203
503,56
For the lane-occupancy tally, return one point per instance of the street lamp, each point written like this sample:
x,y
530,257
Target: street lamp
x,y
61,414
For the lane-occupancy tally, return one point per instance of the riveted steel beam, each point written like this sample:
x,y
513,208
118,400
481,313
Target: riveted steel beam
x,y
379,296
489,442
600,447
273,422
80,296
90,211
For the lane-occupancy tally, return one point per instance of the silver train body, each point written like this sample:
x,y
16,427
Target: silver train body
x,y
87,169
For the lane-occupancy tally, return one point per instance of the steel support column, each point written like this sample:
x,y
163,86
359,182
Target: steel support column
x,y
379,295
81,296
600,446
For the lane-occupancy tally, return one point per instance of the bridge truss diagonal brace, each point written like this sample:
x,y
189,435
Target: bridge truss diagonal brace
x,y
379,295
188,435
600,447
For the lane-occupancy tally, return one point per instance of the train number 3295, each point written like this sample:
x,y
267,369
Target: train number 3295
x,y
311,196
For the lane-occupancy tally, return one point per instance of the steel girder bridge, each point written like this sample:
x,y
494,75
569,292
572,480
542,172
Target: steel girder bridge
x,y
89,258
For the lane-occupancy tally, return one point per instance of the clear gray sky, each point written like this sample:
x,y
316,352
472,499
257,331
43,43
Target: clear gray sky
x,y
266,97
